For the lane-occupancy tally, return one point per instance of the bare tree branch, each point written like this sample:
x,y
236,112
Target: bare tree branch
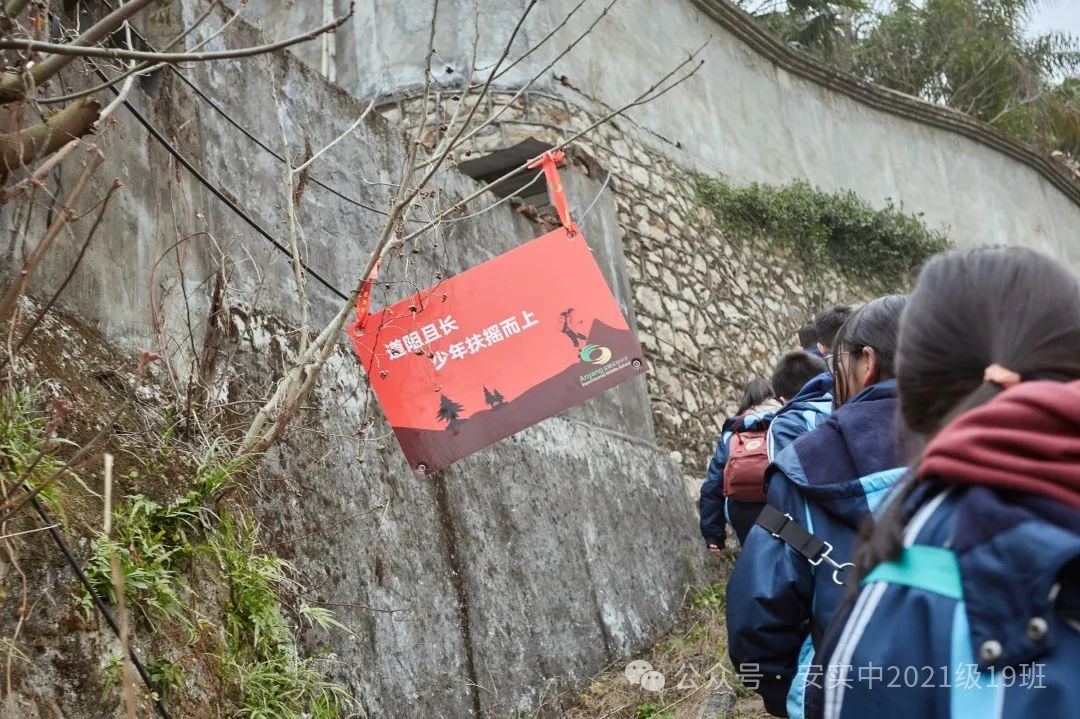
x,y
650,94
28,144
11,11
472,111
521,91
543,40
73,50
16,85
278,411
145,67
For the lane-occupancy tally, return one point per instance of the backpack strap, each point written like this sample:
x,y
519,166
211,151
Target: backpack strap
x,y
815,549
932,569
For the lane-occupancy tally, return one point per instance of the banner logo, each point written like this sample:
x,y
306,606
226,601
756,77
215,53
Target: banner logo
x,y
595,354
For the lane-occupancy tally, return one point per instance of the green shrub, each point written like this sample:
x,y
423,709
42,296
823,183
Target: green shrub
x,y
825,230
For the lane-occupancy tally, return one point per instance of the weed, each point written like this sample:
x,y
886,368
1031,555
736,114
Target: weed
x,y
713,597
151,541
111,674
260,654
22,438
166,676
652,711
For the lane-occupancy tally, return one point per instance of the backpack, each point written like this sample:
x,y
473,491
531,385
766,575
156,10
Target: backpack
x,y
744,473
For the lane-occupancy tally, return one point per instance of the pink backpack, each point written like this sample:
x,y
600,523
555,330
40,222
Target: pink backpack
x,y
744,473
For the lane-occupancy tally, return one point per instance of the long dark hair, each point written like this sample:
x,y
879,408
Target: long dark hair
x,y
756,392
875,325
970,309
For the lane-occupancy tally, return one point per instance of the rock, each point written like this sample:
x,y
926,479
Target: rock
x,y
649,301
640,175
719,705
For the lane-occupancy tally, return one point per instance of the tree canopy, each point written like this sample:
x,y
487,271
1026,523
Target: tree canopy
x,y
972,55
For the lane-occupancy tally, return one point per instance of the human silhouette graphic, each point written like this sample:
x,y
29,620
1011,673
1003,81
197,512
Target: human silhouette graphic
x,y
575,337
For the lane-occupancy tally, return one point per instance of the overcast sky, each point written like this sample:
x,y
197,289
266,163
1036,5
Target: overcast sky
x,y
1057,15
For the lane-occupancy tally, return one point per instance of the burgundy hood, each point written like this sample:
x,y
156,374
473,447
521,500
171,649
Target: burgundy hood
x,y
1026,439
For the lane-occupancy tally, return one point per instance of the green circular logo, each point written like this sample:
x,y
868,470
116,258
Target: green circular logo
x,y
596,354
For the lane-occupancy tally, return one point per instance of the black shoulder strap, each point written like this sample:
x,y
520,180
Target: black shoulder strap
x,y
787,530
815,549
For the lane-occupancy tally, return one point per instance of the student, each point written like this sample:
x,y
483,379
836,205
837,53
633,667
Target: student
x,y
808,340
720,501
827,324
972,573
783,592
803,383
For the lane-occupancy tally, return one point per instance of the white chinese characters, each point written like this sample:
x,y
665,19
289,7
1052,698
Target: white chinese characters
x,y
414,342
418,342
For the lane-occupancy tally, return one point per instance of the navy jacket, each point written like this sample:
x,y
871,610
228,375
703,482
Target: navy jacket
x,y
711,502
828,480
811,406
975,591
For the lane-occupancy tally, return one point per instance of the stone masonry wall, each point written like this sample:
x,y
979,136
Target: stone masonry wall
x,y
713,312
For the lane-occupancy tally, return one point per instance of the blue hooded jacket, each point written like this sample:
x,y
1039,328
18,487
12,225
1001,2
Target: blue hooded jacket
x,y
983,602
711,502
811,406
828,480
975,620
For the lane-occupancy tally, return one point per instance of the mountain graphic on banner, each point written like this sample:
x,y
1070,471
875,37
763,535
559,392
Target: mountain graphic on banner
x,y
474,431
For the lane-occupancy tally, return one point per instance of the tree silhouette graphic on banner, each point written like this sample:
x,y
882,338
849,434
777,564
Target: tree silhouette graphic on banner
x,y
493,398
448,412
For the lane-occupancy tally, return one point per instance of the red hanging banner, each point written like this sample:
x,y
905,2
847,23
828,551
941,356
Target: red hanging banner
x,y
496,349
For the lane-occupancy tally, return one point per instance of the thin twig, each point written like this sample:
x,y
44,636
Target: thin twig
x,y
111,107
492,206
277,412
24,604
11,10
299,276
472,111
339,138
327,528
71,272
596,199
128,691
521,91
543,40
28,531
17,85
7,304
